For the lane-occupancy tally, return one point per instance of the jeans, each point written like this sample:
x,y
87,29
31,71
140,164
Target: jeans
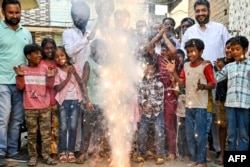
x,y
68,114
196,132
237,128
158,123
11,118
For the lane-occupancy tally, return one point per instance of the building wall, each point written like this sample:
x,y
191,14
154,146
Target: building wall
x,y
239,17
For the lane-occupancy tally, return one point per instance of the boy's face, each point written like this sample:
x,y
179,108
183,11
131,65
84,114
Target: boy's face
x,y
150,71
238,52
34,58
193,54
228,51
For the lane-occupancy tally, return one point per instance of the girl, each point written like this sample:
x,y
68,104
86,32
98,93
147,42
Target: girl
x,y
48,45
68,96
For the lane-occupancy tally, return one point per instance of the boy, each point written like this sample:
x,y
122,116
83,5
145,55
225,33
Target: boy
x,y
237,102
151,98
197,76
34,79
93,115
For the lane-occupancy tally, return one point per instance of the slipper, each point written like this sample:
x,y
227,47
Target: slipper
x,y
219,161
50,161
32,161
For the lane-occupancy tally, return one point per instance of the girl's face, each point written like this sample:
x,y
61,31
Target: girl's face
x,y
193,54
228,52
165,53
238,53
34,58
48,50
60,57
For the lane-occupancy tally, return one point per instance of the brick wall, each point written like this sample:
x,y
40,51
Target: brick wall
x,y
219,10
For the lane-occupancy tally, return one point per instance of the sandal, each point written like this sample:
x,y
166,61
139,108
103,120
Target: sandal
x,y
32,161
219,161
71,157
50,161
62,157
139,159
159,161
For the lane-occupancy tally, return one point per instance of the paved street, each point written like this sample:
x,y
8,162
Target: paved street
x,y
105,163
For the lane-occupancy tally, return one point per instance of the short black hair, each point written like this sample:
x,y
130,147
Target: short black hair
x,y
195,42
29,48
202,2
179,51
229,40
7,2
169,18
152,62
241,40
188,19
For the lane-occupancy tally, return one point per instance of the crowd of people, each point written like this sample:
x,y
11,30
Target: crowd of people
x,y
193,96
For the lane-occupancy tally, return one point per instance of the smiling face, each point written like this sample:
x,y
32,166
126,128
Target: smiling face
x,y
238,53
12,15
48,50
60,58
34,58
202,14
193,54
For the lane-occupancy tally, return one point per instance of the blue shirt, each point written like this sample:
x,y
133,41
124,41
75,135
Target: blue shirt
x,y
12,43
238,75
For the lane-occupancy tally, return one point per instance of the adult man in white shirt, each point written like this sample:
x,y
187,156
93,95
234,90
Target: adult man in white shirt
x,y
214,35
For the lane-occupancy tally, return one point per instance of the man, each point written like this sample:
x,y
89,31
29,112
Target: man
x,y
214,35
76,42
13,38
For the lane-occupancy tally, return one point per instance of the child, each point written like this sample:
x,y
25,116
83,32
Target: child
x,y
168,52
237,98
34,79
68,96
48,45
93,116
182,148
220,98
151,98
197,76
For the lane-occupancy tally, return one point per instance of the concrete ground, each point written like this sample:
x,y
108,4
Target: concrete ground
x,y
105,163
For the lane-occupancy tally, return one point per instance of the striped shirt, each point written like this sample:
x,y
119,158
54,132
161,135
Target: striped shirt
x,y
238,75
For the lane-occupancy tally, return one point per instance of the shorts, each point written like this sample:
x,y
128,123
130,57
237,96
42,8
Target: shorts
x,y
220,114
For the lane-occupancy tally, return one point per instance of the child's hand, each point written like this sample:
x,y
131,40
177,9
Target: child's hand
x,y
51,72
146,106
18,70
170,66
200,86
71,69
89,106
